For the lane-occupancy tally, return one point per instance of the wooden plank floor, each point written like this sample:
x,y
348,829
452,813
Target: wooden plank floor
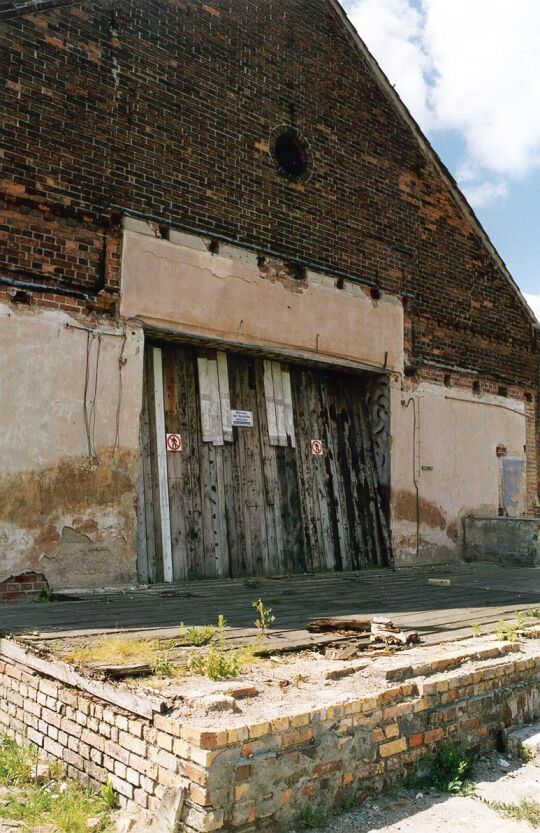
x,y
478,593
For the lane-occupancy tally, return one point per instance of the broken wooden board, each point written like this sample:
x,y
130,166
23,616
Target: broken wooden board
x,y
337,624
346,649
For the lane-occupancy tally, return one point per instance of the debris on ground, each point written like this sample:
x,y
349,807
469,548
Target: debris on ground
x,y
384,630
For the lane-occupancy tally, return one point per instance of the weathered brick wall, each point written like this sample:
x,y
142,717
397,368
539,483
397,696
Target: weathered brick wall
x,y
24,586
167,108
260,776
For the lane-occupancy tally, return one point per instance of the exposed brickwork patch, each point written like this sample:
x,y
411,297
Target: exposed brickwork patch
x,y
22,587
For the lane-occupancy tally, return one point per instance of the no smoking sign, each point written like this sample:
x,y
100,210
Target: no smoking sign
x,y
174,442
317,448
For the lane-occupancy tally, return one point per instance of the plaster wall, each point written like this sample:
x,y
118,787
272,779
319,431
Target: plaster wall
x,y
68,481
230,297
454,458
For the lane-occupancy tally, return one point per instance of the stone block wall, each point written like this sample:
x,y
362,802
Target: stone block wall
x,y
260,776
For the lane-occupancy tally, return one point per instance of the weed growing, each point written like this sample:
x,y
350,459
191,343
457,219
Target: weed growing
x,y
310,818
17,763
217,663
506,631
65,805
264,619
448,771
197,636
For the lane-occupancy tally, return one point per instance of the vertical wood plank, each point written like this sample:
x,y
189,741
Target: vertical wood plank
x,y
279,405
162,465
306,472
224,396
193,443
270,404
142,544
205,400
288,406
175,464
146,513
151,487
274,530
215,402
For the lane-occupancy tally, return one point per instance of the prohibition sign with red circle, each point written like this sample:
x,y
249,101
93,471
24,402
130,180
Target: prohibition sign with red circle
x,y
174,442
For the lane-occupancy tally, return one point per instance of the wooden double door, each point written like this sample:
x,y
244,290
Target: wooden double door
x,y
276,471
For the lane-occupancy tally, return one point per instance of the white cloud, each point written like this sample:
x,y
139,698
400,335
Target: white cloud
x,y
480,194
472,66
534,303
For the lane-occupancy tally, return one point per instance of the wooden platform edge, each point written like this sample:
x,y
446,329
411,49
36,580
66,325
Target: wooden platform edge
x,y
141,705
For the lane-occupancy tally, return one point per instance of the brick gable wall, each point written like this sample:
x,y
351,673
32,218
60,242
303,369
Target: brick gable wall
x,y
167,108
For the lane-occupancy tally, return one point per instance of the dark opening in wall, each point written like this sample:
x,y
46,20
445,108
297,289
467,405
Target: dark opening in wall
x,y
291,153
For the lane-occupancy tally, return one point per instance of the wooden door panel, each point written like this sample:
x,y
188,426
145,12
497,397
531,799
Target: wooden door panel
x,y
251,506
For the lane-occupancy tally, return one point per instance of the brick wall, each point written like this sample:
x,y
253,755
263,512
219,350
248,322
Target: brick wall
x,y
260,776
23,587
168,107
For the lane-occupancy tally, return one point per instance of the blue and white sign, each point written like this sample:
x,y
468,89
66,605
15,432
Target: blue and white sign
x,y
242,419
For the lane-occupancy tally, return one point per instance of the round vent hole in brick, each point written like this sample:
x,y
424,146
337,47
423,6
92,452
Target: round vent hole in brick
x,y
290,155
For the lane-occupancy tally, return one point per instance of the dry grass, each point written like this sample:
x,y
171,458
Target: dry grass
x,y
115,650
66,805
528,811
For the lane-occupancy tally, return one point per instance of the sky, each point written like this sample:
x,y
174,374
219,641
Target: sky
x,y
469,72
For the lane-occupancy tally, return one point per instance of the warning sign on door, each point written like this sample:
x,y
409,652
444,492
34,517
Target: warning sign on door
x,y
174,442
317,448
242,419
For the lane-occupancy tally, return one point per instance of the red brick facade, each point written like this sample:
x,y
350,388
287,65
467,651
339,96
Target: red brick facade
x,y
167,108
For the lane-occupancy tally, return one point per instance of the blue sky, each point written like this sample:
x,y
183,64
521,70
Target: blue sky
x,y
469,71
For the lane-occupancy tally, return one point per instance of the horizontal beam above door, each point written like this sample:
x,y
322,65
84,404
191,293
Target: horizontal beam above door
x,y
160,333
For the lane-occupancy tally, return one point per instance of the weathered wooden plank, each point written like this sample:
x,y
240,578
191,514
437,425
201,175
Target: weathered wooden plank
x,y
279,403
175,466
205,403
270,403
252,472
338,520
142,546
148,569
224,396
215,402
274,529
149,456
335,623
288,405
192,475
322,501
312,521
162,465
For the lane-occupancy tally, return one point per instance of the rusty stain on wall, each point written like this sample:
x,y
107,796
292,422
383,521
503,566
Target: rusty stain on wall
x,y
27,498
404,504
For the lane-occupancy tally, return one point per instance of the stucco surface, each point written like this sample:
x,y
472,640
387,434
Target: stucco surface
x,y
231,298
69,416
454,457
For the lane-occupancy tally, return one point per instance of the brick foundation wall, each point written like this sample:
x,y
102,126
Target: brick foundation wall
x,y
23,587
260,776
